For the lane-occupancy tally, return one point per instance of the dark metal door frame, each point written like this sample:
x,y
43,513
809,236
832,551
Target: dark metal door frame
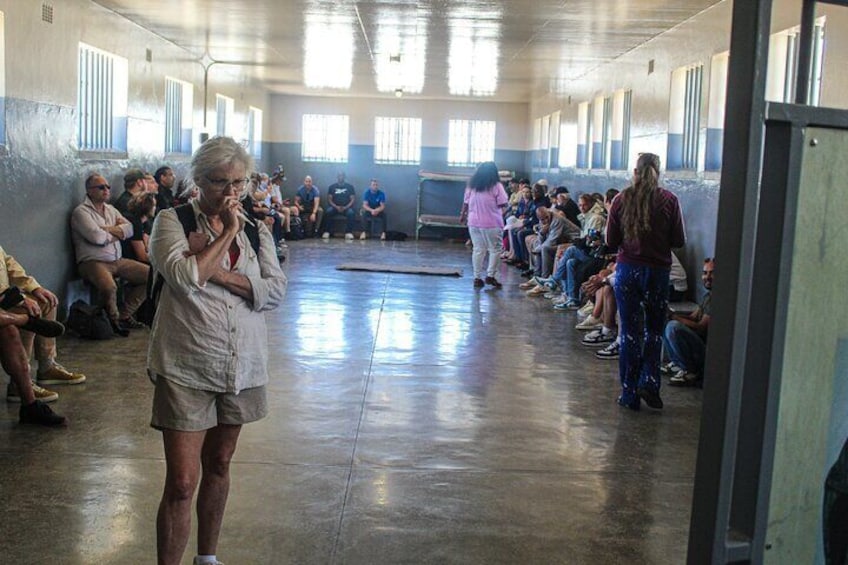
x,y
754,242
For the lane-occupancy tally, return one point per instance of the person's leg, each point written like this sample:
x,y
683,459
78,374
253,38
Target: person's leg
x,y
15,361
350,215
173,522
478,240
548,252
135,274
493,245
286,214
608,307
319,221
218,449
367,223
628,297
327,223
383,221
100,275
655,303
685,348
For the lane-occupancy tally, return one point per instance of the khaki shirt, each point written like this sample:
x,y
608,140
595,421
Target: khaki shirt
x,y
204,337
13,274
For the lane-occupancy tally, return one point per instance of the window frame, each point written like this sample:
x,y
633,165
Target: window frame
x,y
322,127
404,139
464,132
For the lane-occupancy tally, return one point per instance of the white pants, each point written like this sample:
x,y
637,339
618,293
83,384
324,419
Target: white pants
x,y
485,240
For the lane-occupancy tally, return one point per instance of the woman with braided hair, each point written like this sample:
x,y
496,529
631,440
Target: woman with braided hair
x,y
645,223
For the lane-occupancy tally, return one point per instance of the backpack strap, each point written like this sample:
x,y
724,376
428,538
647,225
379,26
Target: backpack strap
x,y
185,214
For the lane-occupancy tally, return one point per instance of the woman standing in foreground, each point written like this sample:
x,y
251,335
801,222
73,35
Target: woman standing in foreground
x,y
209,345
483,207
645,223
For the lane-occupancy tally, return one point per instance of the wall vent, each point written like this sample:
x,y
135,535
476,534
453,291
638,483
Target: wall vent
x,y
47,13
148,55
650,66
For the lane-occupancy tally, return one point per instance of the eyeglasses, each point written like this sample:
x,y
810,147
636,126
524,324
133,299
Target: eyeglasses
x,y
224,184
100,187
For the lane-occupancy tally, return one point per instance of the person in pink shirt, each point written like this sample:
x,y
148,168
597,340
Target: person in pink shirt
x,y
482,209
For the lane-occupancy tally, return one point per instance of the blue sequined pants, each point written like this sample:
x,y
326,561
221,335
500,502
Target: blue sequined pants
x,y
641,294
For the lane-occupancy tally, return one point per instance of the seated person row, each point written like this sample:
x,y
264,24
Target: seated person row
x,y
97,230
341,198
523,227
24,307
589,248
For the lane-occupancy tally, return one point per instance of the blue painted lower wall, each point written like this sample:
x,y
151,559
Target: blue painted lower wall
x,y
400,182
582,160
618,161
598,156
715,144
674,157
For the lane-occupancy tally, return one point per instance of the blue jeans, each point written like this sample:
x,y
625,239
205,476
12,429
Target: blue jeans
x,y
369,222
331,213
684,347
565,272
641,294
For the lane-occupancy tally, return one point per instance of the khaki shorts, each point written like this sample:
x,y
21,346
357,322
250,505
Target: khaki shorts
x,y
184,409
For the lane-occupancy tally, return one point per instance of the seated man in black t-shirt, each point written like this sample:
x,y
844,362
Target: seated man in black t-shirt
x,y
341,197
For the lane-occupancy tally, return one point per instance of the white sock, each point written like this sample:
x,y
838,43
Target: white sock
x,y
205,559
607,331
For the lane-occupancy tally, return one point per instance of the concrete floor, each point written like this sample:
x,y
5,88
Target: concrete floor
x,y
413,420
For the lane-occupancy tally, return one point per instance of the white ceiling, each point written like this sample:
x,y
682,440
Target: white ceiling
x,y
507,50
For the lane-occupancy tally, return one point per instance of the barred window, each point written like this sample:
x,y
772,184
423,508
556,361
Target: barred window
x,y
470,142
254,131
224,109
325,138
397,141
685,117
102,100
2,80
178,110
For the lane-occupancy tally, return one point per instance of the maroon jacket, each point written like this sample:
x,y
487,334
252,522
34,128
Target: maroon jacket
x,y
653,249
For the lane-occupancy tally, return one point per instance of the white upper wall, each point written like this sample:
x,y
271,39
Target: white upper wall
x,y
287,112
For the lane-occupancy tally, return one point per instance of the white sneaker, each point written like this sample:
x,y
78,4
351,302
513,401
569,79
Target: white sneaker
x,y
362,236
326,235
348,237
590,323
586,310
383,236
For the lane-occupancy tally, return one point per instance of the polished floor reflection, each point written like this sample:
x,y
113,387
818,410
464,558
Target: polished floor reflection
x,y
413,420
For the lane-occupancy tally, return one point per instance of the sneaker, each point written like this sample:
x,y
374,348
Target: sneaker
x,y
58,375
478,283
608,352
326,235
558,299
597,338
551,295
131,323
527,285
41,394
567,305
348,237
362,236
40,414
542,281
383,236
587,309
684,378
196,562
119,329
493,282
590,323
669,368
536,291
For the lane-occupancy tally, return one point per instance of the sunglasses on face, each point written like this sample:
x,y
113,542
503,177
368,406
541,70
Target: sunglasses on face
x,y
100,187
